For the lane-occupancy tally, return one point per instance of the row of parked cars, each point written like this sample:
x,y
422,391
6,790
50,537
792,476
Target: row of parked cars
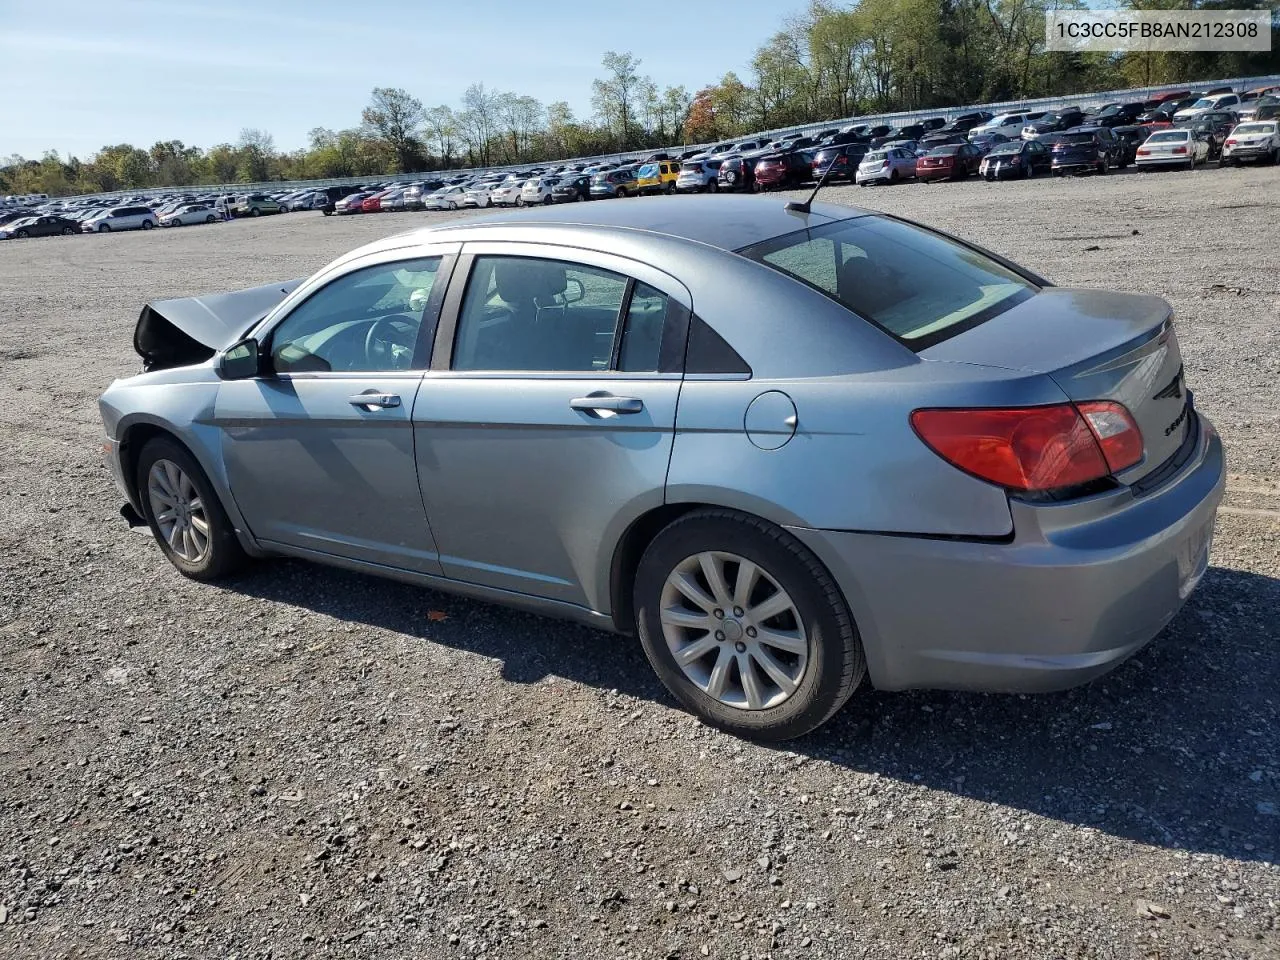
x,y
1182,128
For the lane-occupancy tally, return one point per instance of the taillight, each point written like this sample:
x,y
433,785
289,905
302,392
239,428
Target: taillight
x,y
1033,448
1179,149
1231,143
1144,153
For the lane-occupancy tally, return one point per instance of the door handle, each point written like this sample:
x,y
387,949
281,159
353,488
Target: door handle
x,y
600,404
371,400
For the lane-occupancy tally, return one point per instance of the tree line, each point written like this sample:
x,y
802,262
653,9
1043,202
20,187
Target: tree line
x,y
830,62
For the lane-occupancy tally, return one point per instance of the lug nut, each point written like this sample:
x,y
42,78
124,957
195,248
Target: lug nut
x,y
719,614
751,631
719,634
737,611
740,647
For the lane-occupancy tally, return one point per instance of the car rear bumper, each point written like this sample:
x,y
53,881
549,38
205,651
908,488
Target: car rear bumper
x,y
1080,587
1162,161
1246,153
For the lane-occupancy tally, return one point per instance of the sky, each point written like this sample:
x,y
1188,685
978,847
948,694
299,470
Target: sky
x,y
76,75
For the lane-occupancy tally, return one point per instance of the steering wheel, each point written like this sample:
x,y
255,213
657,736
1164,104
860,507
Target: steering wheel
x,y
383,335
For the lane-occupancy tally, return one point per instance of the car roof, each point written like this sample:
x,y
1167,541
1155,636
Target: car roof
x,y
725,222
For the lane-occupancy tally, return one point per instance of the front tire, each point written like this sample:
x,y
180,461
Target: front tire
x,y
783,654
67,231
255,212
184,513
212,219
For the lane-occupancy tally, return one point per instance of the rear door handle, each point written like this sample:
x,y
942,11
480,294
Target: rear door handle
x,y
611,404
371,400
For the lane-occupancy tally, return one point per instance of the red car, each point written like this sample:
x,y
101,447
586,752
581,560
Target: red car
x,y
782,170
951,161
374,204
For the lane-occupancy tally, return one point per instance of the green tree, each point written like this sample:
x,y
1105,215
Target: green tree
x,y
616,98
395,117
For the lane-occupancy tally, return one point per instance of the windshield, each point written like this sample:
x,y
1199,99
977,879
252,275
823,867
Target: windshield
x,y
914,284
1249,129
1170,136
648,170
1005,149
946,150
1202,102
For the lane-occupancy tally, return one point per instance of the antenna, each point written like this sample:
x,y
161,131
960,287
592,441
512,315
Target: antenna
x,y
802,206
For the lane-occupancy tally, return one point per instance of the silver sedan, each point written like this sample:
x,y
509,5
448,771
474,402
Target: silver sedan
x,y
788,448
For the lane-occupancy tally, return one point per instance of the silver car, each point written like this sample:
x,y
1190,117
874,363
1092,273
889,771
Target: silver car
x,y
886,165
786,447
121,218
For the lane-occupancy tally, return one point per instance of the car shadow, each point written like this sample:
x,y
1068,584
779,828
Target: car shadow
x,y
1176,748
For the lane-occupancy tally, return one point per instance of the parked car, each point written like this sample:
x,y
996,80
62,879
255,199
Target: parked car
x,y
574,188
615,183
1264,108
698,176
1220,101
738,173
966,122
507,194
735,533
842,161
1008,124
351,203
1214,126
1086,149
1256,140
538,190
1016,159
255,205
393,200
886,166
1056,122
43,226
120,218
939,139
781,171
1129,138
1178,145
658,176
190,213
952,161
1116,114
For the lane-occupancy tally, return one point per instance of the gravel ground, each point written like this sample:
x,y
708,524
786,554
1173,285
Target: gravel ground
x,y
309,763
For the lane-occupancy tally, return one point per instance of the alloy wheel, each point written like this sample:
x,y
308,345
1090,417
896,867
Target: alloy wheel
x,y
179,511
733,630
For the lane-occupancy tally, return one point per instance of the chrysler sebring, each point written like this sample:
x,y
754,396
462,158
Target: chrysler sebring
x,y
788,447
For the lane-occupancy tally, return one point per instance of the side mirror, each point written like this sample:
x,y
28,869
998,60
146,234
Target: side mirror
x,y
240,361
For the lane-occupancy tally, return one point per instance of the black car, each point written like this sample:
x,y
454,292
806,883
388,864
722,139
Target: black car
x,y
940,139
572,189
987,140
912,131
738,173
878,131
934,123
966,122
1213,127
1268,108
1164,113
1116,114
843,137
842,160
1086,148
332,195
1130,138
47,226
8,216
1056,122
1016,159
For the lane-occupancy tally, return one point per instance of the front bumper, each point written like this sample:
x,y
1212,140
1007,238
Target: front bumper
x,y
1079,588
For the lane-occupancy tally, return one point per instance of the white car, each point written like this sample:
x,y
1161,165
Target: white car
x,y
1008,124
1221,101
1177,146
450,198
478,195
190,213
120,218
538,190
507,194
1258,140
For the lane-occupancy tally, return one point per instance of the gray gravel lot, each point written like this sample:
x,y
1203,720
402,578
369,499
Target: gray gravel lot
x,y
310,763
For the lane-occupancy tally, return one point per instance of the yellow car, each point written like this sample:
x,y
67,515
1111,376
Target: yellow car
x,y
658,176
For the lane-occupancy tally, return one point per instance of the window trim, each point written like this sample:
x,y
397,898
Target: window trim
x,y
675,325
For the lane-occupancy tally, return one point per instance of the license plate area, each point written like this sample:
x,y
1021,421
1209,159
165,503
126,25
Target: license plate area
x,y
1193,558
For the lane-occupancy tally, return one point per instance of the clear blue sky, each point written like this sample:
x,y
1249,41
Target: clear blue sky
x,y
80,74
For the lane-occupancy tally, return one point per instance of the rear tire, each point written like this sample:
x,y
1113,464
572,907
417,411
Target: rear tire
x,y
104,228
22,234
713,187
670,188
222,554
67,231
147,224
212,219
814,618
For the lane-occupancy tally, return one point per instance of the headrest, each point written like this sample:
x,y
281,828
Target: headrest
x,y
529,281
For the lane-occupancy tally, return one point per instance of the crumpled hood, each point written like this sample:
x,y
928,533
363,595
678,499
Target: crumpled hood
x,y
188,330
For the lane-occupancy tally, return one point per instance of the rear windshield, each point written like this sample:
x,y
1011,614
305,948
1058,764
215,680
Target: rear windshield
x,y
914,284
1170,136
1006,149
1252,128
1075,137
876,157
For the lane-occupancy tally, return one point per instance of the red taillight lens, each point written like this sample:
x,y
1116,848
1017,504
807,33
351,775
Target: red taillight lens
x,y
1031,448
1116,432
1144,153
1231,143
1179,149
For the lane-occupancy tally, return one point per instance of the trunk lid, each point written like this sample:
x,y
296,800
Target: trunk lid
x,y
1095,345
